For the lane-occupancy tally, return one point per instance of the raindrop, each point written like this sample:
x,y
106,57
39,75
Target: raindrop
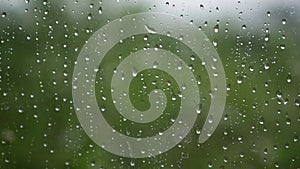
x,y
282,47
225,117
67,162
181,37
179,66
145,38
209,165
288,121
297,102
193,57
242,155
134,72
215,43
93,163
276,164
150,29
57,109
89,17
278,94
216,28
3,14
251,68
45,2
28,37
173,98
100,10
155,65
261,120
295,139
91,6
267,38
6,160
76,33
239,81
183,87
20,110
289,79
266,66
199,108
283,21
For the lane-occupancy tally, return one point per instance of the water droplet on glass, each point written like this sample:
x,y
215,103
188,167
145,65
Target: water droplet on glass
x,y
267,66
150,29
134,72
89,17
267,38
145,37
76,33
289,79
215,43
282,47
209,165
295,139
261,120
216,28
28,37
91,5
100,10
3,14
155,65
297,102
239,80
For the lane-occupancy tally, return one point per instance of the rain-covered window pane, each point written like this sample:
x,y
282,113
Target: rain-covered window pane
x,y
149,84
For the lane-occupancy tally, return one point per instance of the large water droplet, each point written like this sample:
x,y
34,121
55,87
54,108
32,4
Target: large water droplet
x,y
3,14
100,10
216,28
150,29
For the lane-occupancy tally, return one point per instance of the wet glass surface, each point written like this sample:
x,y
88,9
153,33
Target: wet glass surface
x,y
215,84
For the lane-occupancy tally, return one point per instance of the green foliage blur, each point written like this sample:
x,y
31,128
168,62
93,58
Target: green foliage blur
x,y
40,42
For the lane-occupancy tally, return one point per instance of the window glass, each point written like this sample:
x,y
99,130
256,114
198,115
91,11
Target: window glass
x,y
149,84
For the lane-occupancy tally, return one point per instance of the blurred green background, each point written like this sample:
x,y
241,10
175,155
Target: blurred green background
x,y
258,43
